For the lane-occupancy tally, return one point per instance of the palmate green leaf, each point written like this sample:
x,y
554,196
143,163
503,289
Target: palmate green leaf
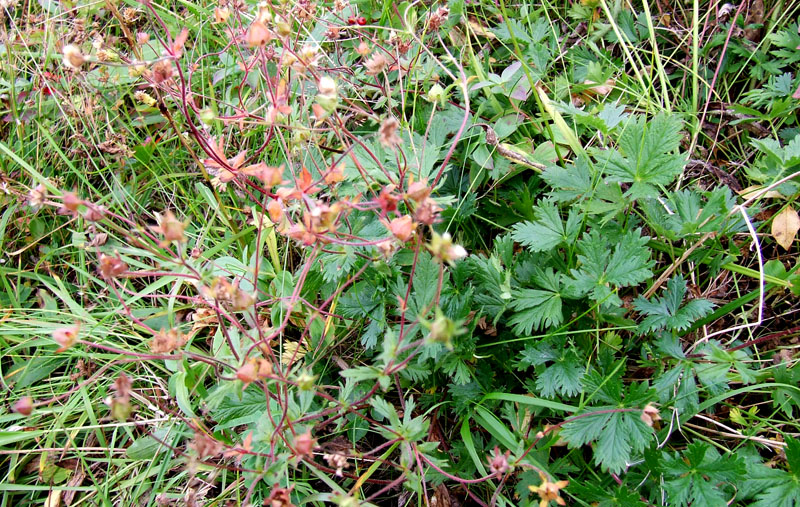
x,y
644,156
667,313
535,308
241,408
603,267
548,230
571,182
787,41
699,476
493,288
773,487
565,373
617,436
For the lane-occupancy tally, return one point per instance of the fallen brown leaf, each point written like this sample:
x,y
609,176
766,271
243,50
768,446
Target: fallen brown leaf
x,y
785,226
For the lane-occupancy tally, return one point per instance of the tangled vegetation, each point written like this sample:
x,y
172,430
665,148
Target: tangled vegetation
x,y
356,252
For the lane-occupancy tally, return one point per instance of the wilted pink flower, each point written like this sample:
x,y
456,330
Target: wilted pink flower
x,y
403,227
304,444
66,337
498,463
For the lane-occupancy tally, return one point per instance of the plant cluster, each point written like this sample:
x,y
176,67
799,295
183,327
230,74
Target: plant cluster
x,y
361,253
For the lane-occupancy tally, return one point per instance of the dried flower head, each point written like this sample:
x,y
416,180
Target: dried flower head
x,y
112,267
94,212
72,58
336,461
387,133
162,71
66,337
166,342
204,446
427,212
334,175
327,87
437,18
279,497
37,196
221,14
386,248
363,48
376,64
144,98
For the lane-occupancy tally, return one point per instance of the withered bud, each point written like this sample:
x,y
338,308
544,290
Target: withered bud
x,y
403,227
23,406
72,59
270,176
304,444
70,202
275,211
387,133
258,34
418,191
112,267
650,415
171,228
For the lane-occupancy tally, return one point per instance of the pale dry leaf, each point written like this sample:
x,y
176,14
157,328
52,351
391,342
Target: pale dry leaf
x,y
755,191
480,30
785,226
